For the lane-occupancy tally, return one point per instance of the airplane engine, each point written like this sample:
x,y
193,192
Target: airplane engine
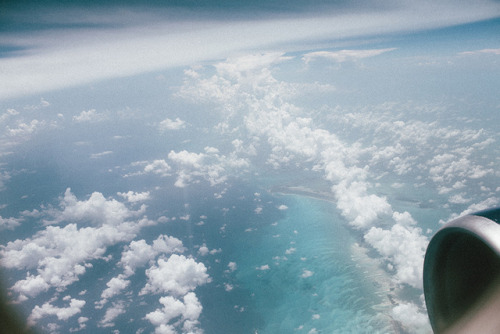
x,y
462,275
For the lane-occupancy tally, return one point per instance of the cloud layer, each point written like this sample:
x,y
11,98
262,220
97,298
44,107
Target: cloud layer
x,y
123,48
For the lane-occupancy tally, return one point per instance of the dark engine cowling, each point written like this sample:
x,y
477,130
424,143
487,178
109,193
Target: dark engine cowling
x,y
462,275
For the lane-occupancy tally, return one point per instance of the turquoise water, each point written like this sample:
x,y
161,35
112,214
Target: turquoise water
x,y
295,274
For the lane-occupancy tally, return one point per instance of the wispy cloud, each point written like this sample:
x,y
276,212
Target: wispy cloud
x,y
483,51
344,55
114,45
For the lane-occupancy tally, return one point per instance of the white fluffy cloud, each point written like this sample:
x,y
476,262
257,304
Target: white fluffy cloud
x,y
9,223
89,116
132,196
114,287
411,317
61,254
160,167
112,313
210,165
188,311
138,253
177,275
168,124
62,313
404,245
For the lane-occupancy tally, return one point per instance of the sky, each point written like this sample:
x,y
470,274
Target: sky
x,y
234,166
50,46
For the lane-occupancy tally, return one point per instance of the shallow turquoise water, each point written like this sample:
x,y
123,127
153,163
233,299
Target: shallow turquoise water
x,y
296,275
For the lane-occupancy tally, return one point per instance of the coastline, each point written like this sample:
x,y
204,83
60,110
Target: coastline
x,y
303,191
385,288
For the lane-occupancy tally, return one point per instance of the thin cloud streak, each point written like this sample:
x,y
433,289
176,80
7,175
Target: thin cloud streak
x,y
68,58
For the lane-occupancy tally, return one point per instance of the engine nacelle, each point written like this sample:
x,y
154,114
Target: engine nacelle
x,y
462,275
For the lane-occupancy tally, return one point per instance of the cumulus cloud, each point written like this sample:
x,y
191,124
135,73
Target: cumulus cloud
x,y
23,129
62,313
61,254
112,313
97,210
210,165
404,246
306,273
160,167
168,124
114,287
412,317
82,322
187,310
9,223
132,196
204,250
89,116
487,203
232,266
177,275
138,253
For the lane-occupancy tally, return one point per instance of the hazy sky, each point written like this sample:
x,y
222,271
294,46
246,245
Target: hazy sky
x,y
47,45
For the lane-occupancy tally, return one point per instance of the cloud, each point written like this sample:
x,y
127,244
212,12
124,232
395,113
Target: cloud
x,y
411,317
177,275
487,203
133,197
204,250
126,48
306,273
263,267
483,51
160,167
296,141
62,313
188,310
114,287
168,124
61,254
100,155
138,253
82,322
112,313
9,223
96,210
404,246
344,55
186,158
89,116
23,130
232,266
190,167
211,166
